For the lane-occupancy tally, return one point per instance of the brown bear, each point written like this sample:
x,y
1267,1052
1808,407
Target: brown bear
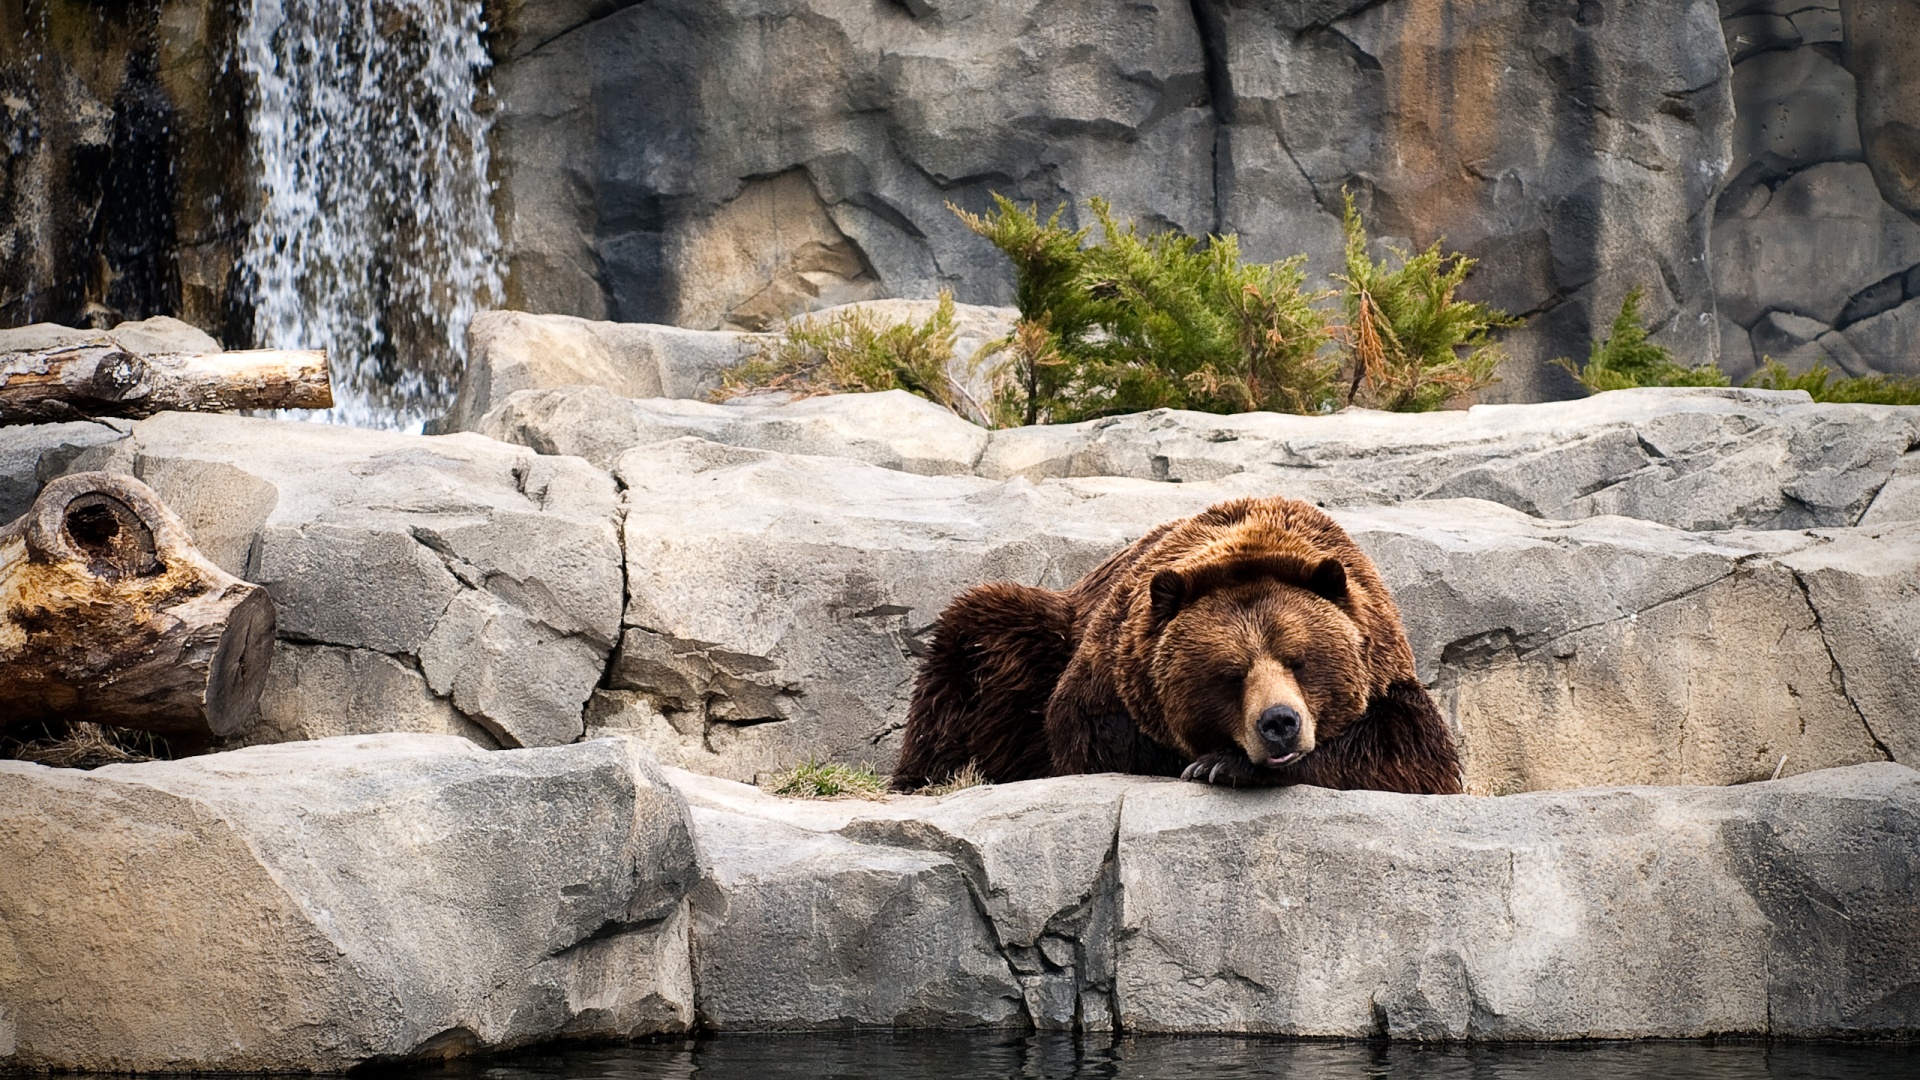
x,y
1252,644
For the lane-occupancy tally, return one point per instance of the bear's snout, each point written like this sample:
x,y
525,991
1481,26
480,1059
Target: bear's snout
x,y
1280,726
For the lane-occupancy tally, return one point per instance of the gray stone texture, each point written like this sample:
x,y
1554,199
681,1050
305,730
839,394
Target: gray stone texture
x,y
1777,908
314,906
408,571
726,164
1611,591
1821,216
512,351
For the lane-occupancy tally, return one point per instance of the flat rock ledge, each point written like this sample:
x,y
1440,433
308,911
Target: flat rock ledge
x,y
312,906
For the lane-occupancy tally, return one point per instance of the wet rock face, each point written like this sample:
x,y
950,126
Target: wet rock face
x,y
122,132
314,906
754,160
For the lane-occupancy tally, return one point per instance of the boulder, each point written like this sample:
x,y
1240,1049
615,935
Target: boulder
x,y
1794,107
1707,458
892,429
1879,35
32,454
1899,499
1778,908
316,906
512,350
990,907
456,568
1890,341
159,334
777,604
1077,903
1699,458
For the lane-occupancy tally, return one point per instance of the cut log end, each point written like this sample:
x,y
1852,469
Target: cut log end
x,y
109,614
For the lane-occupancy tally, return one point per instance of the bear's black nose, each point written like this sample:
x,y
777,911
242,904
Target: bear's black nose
x,y
1280,725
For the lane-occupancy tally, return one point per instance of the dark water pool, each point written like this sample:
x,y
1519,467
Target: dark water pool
x,y
993,1057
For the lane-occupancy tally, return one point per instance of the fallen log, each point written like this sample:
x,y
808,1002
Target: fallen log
x,y
102,378
110,614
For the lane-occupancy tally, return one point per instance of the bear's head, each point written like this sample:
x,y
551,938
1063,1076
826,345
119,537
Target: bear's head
x,y
1259,653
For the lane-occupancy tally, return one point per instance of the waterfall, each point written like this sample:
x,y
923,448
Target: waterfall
x,y
374,235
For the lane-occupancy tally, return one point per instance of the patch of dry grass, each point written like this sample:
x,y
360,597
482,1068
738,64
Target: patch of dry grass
x,y
82,745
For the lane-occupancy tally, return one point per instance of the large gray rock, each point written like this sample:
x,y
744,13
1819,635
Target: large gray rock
x,y
1780,908
1771,909
32,454
777,604
315,906
1692,459
511,350
1890,340
1700,458
990,907
723,164
893,429
1879,38
452,568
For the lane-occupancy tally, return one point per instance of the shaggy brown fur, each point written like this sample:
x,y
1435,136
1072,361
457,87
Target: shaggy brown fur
x,y
1252,644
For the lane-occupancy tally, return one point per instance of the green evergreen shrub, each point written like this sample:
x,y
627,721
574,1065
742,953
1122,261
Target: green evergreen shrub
x,y
854,351
1137,322
1819,382
1405,331
1627,359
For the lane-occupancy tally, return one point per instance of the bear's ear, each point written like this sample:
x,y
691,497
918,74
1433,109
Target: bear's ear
x,y
1166,592
1329,580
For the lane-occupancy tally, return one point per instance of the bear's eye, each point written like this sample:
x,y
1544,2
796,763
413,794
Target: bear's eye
x,y
1295,664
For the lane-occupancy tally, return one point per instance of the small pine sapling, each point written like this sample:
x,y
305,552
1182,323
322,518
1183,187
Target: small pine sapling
x,y
1405,330
1626,359
1820,384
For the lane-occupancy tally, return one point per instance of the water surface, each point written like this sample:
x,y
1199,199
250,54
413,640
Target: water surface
x,y
955,1056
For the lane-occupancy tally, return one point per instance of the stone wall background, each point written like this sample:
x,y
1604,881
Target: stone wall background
x,y
122,163
1754,165
1817,235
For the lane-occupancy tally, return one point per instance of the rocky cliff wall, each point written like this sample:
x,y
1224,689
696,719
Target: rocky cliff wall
x,y
1754,164
1817,235
122,149
732,162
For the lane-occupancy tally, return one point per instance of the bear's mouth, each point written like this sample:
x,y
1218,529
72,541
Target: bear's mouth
x,y
1288,759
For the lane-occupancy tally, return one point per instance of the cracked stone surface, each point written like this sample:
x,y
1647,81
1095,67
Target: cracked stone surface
x,y
314,906
1700,459
453,569
1774,908
1781,907
777,602
892,429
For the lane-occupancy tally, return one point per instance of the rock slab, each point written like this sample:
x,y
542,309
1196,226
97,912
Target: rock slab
x,y
474,587
1781,908
314,906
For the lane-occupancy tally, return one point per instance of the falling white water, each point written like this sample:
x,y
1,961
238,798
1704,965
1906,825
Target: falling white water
x,y
374,237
